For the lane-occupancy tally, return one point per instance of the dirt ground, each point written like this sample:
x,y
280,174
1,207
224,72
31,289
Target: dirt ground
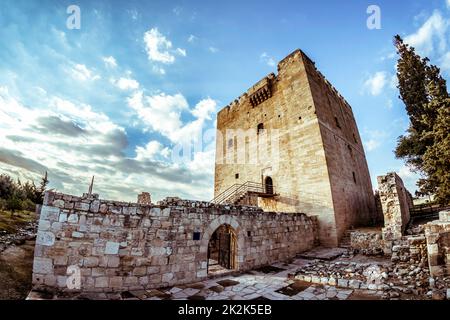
x,y
16,263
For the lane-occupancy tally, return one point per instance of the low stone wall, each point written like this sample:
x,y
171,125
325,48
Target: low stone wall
x,y
438,244
116,246
367,242
395,201
411,250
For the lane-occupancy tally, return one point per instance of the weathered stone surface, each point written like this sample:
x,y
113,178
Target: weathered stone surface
x,y
438,245
395,202
45,238
309,166
128,246
42,265
112,247
50,213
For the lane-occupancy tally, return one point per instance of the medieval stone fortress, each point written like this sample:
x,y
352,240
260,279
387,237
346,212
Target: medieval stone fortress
x,y
294,216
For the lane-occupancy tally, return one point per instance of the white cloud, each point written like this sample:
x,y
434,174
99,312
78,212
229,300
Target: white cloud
x,y
159,48
110,61
72,141
371,144
82,73
265,58
159,70
375,84
431,36
374,139
126,84
213,49
162,113
181,52
191,38
448,4
204,109
152,148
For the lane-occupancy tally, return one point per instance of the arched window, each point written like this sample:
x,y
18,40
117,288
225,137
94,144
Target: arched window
x,y
260,128
268,185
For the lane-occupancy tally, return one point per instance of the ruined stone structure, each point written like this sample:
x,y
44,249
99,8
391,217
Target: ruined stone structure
x,y
144,198
119,246
438,245
290,143
395,202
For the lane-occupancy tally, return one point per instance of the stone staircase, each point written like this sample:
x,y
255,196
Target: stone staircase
x,y
242,193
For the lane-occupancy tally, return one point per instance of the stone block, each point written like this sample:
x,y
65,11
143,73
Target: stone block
x,y
45,238
95,206
61,281
90,262
103,208
60,261
343,283
332,281
62,217
112,247
155,212
355,284
202,273
42,265
101,282
153,270
113,262
116,282
50,213
44,225
166,277
82,206
58,203
73,218
130,281
77,234
140,271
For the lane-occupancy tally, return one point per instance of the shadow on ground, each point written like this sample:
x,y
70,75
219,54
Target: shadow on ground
x,y
16,263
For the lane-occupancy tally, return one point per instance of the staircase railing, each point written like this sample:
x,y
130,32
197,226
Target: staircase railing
x,y
232,194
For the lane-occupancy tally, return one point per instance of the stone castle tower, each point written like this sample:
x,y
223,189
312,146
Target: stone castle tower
x,y
290,143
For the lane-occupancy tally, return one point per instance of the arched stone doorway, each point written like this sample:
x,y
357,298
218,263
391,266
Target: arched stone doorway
x,y
222,250
268,185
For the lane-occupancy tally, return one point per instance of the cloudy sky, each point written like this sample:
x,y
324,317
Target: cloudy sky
x,y
116,97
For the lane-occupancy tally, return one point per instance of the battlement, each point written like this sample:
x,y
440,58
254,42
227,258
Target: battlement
x,y
262,90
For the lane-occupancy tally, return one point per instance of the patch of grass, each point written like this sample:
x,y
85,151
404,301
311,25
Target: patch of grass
x,y
11,224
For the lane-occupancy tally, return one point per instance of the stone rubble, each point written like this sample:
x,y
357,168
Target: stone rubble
x,y
27,232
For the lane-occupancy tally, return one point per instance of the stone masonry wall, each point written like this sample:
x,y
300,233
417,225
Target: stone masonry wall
x,y
120,246
314,156
395,204
438,245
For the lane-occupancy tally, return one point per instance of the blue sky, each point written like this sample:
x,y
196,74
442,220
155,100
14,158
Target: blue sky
x,y
114,98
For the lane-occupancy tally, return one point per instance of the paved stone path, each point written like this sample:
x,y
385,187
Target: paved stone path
x,y
271,283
